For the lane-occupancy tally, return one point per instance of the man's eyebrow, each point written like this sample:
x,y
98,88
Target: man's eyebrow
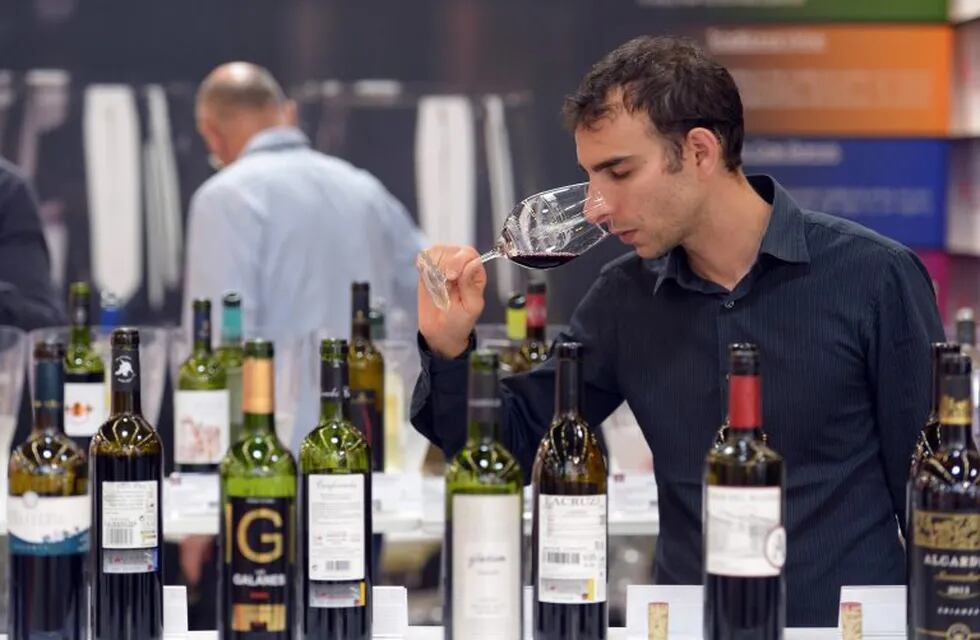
x,y
606,164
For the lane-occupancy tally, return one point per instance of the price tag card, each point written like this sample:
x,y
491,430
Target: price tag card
x,y
879,609
174,611
632,493
390,612
678,607
191,504
396,493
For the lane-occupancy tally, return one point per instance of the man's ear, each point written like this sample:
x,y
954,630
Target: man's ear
x,y
705,148
290,113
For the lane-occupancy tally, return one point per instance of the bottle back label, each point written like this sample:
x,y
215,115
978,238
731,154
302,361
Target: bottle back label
x,y
946,574
201,426
336,527
129,515
259,553
744,533
48,525
85,408
365,416
572,549
486,594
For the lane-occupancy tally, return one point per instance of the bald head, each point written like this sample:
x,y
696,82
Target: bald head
x,y
236,101
240,86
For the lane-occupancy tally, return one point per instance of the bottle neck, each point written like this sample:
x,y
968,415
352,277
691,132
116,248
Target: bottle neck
x,y
258,396
568,387
955,412
125,382
484,407
936,384
334,392
231,326
202,331
360,328
744,404
537,316
49,397
81,328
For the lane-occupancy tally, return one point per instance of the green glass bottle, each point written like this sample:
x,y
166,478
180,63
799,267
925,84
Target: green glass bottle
x,y
230,355
484,519
126,462
201,404
367,375
335,462
570,537
86,397
49,514
258,498
516,324
535,349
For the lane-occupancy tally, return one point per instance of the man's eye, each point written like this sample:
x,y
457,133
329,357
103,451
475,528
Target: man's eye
x,y
619,175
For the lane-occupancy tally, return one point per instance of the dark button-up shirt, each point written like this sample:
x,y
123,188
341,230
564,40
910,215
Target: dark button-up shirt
x,y
843,319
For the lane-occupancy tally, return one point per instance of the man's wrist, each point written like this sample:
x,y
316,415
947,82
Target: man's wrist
x,y
450,353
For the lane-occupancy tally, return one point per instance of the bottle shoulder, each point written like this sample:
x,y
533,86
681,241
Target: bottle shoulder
x,y
950,471
126,434
485,464
230,356
48,453
570,452
335,445
202,372
258,456
82,359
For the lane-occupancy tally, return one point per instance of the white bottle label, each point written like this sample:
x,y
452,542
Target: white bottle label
x,y
572,549
48,525
336,527
486,564
201,420
129,515
85,408
745,534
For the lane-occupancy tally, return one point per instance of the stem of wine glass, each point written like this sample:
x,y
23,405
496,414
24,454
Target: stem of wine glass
x,y
490,255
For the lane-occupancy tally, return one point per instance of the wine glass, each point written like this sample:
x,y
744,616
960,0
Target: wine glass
x,y
543,231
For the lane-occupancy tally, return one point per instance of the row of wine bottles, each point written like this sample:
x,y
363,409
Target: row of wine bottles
x,y
208,390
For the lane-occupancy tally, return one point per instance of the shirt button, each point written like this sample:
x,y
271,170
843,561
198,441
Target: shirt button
x,y
730,304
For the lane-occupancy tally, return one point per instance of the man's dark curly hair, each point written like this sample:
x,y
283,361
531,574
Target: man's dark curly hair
x,y
675,83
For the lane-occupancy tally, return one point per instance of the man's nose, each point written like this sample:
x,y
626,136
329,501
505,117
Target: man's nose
x,y
596,207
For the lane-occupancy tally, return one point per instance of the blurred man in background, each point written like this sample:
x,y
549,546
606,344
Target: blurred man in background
x,y
288,228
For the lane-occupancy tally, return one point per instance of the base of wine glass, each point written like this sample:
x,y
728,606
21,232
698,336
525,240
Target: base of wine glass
x,y
434,280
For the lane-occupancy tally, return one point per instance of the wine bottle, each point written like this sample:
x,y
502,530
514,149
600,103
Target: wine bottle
x,y
367,375
744,538
569,537
484,513
48,516
535,350
335,462
516,327
258,498
201,403
127,537
944,582
929,438
230,355
966,330
85,389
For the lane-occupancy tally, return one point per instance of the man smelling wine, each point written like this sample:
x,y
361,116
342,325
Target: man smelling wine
x,y
844,316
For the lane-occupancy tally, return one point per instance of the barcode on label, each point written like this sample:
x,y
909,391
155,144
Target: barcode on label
x,y
555,557
120,536
337,565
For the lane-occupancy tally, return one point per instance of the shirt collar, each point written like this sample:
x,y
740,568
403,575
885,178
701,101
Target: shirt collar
x,y
276,138
784,240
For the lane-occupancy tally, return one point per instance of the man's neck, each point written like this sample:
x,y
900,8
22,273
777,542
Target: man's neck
x,y
729,234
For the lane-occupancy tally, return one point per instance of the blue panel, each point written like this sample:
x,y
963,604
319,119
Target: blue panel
x,y
896,187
